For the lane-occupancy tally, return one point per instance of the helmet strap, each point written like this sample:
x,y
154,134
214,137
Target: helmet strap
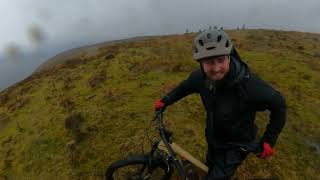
x,y
202,70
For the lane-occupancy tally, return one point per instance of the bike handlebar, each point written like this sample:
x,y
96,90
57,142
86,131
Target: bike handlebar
x,y
165,139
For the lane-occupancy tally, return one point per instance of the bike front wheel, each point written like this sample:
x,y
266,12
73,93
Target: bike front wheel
x,y
137,168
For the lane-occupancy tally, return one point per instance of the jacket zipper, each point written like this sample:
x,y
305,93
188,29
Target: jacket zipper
x,y
213,90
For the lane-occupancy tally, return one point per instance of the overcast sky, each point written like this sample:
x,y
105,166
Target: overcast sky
x,y
73,23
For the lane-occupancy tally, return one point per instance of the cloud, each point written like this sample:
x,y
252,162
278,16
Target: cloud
x,y
73,23
80,20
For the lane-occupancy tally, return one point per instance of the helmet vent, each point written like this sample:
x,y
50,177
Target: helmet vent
x,y
227,44
219,38
209,48
196,49
200,42
208,35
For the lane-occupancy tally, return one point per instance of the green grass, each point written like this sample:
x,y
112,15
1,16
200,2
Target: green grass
x,y
114,97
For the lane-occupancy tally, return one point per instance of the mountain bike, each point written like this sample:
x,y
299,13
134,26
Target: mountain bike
x,y
165,157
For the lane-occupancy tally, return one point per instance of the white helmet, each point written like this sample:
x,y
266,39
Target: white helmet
x,y
211,43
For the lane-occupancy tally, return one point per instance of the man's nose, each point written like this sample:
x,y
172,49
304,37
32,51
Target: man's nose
x,y
215,68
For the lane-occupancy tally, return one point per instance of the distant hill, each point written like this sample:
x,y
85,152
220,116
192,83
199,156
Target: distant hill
x,y
90,106
77,52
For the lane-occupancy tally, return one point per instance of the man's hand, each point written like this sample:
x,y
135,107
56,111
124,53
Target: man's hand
x,y
267,151
159,105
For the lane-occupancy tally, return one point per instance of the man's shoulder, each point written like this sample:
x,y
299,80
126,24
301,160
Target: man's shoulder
x,y
195,78
256,82
258,88
197,73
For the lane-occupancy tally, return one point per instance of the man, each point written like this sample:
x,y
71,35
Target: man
x,y
231,95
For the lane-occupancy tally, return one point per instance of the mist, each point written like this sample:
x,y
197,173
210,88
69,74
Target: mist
x,y
37,30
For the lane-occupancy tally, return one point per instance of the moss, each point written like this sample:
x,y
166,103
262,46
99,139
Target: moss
x,y
114,89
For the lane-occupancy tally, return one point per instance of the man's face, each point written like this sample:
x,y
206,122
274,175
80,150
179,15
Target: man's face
x,y
216,67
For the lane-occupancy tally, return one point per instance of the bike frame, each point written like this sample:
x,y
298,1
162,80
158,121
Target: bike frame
x,y
184,154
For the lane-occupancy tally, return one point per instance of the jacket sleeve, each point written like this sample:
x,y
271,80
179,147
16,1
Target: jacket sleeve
x,y
185,88
267,98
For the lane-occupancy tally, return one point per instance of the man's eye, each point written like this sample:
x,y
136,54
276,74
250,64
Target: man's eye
x,y
221,60
207,62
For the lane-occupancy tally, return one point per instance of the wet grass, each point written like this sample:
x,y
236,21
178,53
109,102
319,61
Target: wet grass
x,y
75,119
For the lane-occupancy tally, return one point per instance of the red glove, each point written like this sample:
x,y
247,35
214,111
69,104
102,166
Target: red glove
x,y
267,151
158,105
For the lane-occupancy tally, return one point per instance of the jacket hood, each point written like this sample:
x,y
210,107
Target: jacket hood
x,y
238,71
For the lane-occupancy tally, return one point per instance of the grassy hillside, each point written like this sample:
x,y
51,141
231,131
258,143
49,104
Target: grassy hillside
x,y
73,119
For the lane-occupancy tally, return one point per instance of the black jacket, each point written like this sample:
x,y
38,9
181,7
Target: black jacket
x,y
231,104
